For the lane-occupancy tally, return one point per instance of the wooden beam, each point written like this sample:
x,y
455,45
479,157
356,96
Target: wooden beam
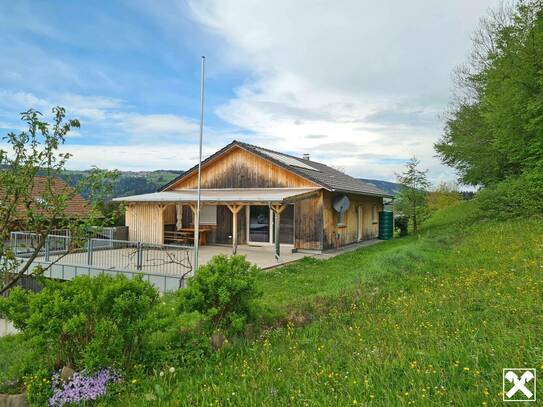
x,y
277,209
235,210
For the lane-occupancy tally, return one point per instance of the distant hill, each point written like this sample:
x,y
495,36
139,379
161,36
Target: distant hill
x,y
390,187
131,182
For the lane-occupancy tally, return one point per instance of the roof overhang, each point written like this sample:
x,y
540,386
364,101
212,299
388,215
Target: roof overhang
x,y
223,196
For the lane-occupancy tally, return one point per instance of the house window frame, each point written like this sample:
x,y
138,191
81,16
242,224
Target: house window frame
x,y
374,214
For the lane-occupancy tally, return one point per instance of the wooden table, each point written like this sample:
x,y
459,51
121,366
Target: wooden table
x,y
203,234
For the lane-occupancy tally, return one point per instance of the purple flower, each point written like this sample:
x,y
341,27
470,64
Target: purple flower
x,y
81,387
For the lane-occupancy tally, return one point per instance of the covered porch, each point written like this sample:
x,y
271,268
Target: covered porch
x,y
262,217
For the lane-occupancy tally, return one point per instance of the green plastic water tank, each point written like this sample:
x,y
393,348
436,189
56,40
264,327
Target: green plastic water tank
x,y
386,225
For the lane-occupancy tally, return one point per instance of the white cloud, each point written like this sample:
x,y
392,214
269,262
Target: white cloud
x,y
159,124
371,76
102,116
86,107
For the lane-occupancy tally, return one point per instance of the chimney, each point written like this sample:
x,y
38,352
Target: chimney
x,y
306,156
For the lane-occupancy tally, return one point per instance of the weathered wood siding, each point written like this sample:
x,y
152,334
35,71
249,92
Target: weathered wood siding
x,y
145,223
170,215
224,225
239,168
336,236
308,223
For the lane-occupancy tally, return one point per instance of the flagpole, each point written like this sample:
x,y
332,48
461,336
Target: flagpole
x,y
197,214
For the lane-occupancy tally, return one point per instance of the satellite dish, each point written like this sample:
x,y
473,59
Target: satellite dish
x,y
341,203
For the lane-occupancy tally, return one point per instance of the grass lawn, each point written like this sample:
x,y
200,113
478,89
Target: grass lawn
x,y
424,320
12,354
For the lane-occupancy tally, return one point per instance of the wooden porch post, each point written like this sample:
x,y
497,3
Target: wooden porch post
x,y
161,208
277,209
234,209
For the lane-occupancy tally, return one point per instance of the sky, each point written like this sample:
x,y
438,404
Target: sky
x,y
358,84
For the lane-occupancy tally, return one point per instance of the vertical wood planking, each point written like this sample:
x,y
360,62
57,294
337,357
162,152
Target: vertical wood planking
x,y
339,236
308,223
145,223
239,168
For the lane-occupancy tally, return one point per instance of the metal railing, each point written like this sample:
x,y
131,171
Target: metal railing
x,y
106,254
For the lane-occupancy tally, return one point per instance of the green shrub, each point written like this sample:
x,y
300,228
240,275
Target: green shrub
x,y
223,291
85,323
514,197
177,340
401,224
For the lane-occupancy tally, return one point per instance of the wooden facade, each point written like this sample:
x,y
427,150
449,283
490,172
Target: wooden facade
x,y
145,222
317,226
238,168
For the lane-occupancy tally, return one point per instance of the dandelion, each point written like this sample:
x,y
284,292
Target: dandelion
x,y
161,374
172,369
355,402
134,381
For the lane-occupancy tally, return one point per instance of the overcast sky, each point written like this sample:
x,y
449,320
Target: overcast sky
x,y
358,84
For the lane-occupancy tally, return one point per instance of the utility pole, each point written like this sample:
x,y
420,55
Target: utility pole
x,y
197,214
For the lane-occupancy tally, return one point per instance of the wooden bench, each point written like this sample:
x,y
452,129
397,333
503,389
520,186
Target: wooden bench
x,y
181,237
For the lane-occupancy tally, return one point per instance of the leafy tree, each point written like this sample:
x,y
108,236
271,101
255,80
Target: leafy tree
x,y
411,200
36,152
494,129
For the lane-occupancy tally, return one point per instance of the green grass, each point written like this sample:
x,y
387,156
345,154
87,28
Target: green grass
x,y
426,320
12,355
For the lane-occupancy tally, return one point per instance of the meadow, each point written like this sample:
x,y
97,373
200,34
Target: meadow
x,y
430,319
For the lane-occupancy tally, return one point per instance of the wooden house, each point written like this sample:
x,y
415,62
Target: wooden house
x,y
256,196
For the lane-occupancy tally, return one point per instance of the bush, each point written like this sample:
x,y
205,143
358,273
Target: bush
x,y
401,224
86,323
514,197
223,291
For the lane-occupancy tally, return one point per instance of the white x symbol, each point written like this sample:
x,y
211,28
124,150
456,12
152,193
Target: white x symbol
x,y
519,383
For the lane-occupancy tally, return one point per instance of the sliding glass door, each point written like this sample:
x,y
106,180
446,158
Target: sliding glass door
x,y
261,221
259,224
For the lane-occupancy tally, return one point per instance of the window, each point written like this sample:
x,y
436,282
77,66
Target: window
x,y
208,215
374,214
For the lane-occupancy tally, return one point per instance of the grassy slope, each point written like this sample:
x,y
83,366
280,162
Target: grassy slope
x,y
424,320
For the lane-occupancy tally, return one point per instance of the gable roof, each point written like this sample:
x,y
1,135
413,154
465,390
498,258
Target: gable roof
x,y
327,177
76,207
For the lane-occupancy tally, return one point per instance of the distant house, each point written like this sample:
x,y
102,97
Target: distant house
x,y
246,189
76,207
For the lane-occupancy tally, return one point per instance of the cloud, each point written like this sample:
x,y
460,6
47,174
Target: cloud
x,y
104,119
369,76
159,124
